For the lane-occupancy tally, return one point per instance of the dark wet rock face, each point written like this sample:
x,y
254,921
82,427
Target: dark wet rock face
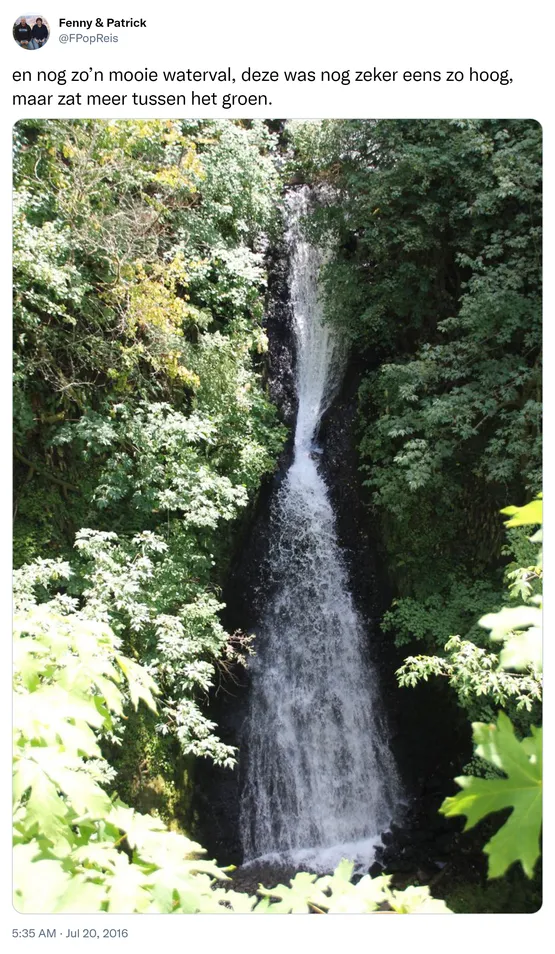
x,y
421,843
279,328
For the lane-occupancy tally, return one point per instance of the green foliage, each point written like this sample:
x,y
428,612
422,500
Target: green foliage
x,y
479,680
76,850
85,851
485,680
521,761
136,281
519,838
35,530
432,619
335,894
530,514
128,585
520,627
140,407
435,276
158,461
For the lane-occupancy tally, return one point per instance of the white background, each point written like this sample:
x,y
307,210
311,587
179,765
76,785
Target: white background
x,y
292,34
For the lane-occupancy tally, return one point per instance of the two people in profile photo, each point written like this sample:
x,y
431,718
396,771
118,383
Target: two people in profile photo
x,y
31,32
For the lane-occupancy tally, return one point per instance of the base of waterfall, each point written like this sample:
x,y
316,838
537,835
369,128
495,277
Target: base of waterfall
x,y
321,859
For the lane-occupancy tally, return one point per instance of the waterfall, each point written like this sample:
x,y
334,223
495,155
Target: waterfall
x,y
319,779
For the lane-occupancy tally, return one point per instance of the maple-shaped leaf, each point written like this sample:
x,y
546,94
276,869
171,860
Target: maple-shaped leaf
x,y
519,838
416,899
299,898
342,875
77,738
523,650
510,619
345,897
365,896
94,854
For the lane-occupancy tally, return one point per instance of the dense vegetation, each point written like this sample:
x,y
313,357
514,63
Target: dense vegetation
x,y
140,412
143,431
436,279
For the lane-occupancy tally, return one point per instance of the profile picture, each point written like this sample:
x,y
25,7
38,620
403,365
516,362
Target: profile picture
x,y
31,31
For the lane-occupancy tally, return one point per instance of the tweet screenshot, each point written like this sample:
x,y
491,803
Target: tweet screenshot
x,y
276,537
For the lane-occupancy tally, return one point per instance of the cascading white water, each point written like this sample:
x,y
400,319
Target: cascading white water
x,y
320,781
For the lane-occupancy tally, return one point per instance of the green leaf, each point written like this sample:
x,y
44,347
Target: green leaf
x,y
509,619
531,513
44,807
78,739
521,628
522,650
38,883
347,898
81,896
519,838
136,826
141,685
297,898
416,900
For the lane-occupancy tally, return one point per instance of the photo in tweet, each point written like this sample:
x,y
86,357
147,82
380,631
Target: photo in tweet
x,y
277,533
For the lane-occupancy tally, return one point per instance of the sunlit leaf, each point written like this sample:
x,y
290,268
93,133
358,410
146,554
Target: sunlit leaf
x,y
519,838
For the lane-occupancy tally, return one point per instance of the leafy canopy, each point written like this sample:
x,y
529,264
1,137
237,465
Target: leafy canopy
x,y
435,276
